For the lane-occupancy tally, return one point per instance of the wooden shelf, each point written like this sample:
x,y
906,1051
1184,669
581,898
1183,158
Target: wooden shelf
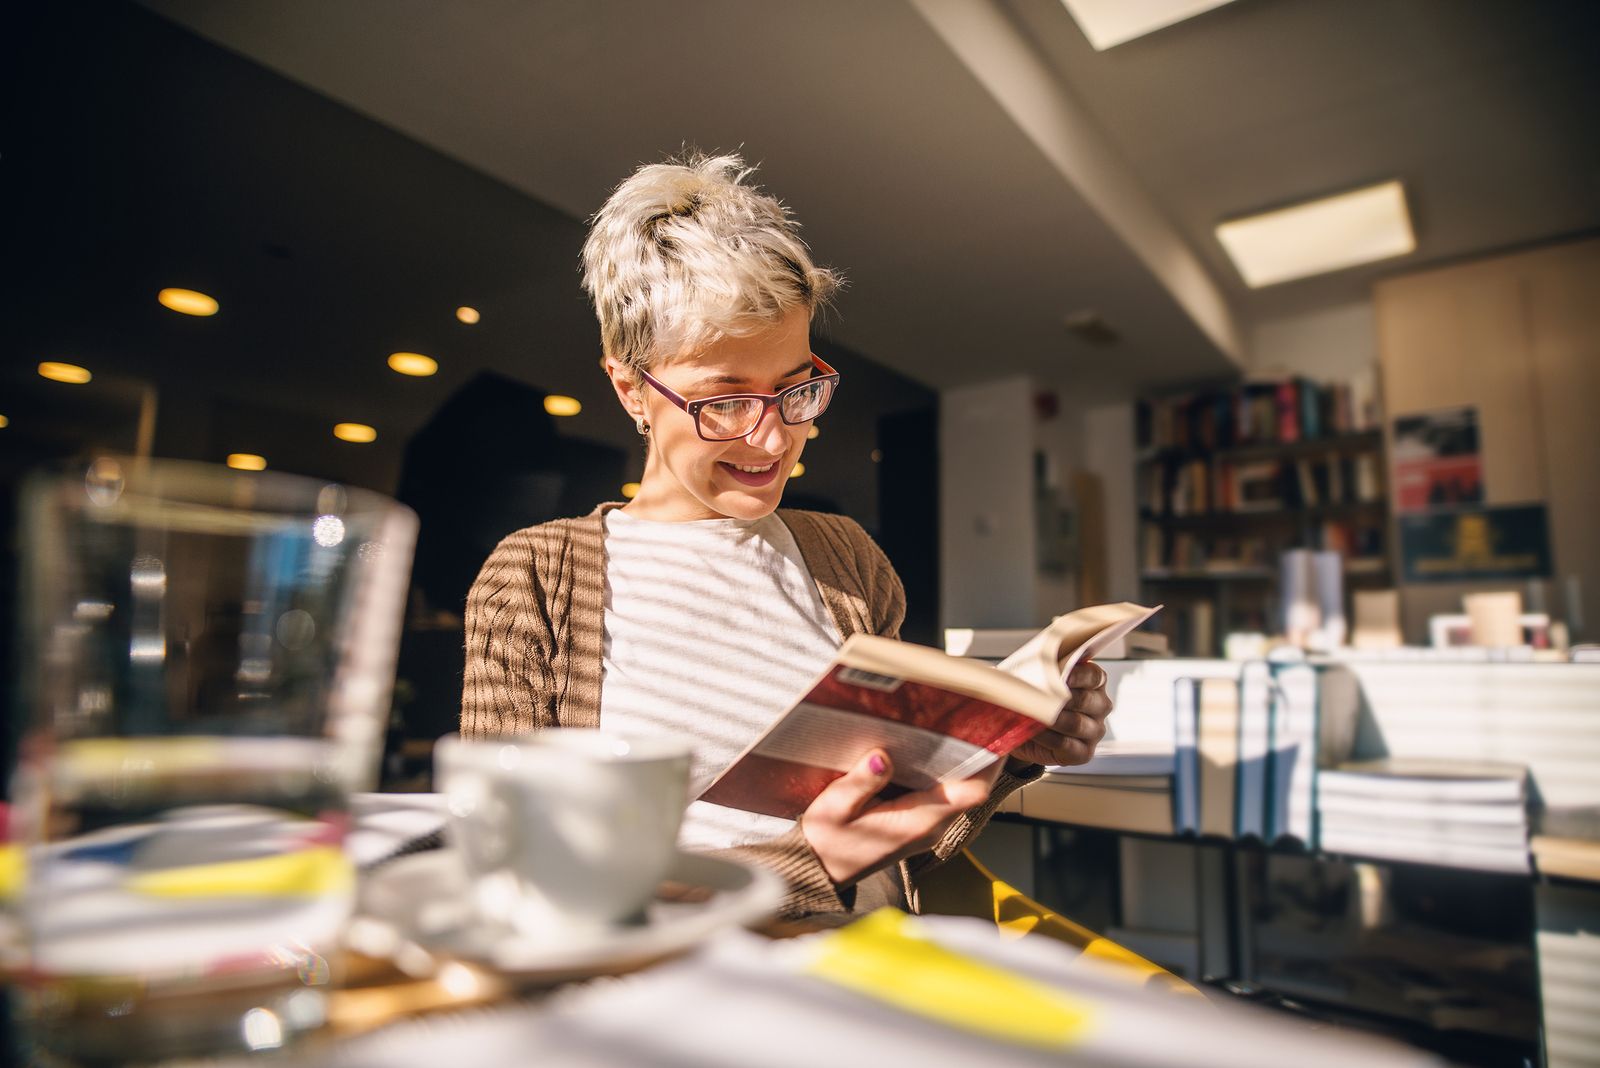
x,y
1364,441
1316,511
1233,574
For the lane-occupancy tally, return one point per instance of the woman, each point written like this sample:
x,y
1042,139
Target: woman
x,y
698,609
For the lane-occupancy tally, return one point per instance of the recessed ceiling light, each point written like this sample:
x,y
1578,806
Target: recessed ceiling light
x,y
4,422
69,373
467,315
814,433
630,490
1111,22
1360,226
359,433
556,404
799,469
414,364
247,461
188,301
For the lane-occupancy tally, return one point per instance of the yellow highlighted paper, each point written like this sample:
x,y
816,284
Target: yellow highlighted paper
x,y
13,869
310,872
883,957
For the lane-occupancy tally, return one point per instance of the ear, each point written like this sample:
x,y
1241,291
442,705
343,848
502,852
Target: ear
x,y
627,384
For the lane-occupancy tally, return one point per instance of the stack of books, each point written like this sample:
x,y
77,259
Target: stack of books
x,y
1215,748
1464,814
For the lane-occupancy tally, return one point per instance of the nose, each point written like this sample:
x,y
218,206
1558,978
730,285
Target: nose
x,y
770,434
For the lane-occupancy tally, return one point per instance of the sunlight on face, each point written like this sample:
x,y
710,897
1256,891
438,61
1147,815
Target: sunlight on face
x,y
687,478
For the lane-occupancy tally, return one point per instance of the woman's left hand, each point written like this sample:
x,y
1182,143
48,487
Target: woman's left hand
x,y
1081,725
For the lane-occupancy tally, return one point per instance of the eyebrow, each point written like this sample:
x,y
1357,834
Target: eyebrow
x,y
735,380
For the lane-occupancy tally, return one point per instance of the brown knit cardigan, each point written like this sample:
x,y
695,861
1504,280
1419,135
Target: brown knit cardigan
x,y
535,626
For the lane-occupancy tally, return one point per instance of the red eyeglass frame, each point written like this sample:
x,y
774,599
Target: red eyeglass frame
x,y
768,400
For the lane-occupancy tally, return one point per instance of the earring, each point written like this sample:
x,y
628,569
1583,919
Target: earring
x,y
643,428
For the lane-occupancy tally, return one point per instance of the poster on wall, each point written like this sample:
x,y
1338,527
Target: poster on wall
x,y
1475,542
1437,462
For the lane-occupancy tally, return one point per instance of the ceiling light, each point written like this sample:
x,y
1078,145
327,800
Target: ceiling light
x,y
814,433
4,422
188,301
877,456
630,490
359,433
1111,22
556,404
247,461
414,364
799,469
1318,236
70,373
467,315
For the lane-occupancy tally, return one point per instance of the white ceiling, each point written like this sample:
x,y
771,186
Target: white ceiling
x,y
965,246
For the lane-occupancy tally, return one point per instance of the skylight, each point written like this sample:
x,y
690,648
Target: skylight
x,y
1111,22
1344,230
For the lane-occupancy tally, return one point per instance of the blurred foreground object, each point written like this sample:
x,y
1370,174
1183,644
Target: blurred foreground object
x,y
210,655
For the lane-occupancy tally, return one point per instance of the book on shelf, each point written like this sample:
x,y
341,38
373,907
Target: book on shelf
x,y
940,718
1379,809
1464,813
1314,719
1152,727
1429,828
1266,409
1115,758
1217,747
1255,746
1102,802
1435,781
1441,851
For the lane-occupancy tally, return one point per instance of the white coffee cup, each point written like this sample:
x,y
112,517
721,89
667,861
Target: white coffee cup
x,y
563,832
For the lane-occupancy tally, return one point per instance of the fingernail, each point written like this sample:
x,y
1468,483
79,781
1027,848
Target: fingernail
x,y
877,764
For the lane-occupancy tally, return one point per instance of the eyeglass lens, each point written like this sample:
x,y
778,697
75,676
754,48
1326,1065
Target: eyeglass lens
x,y
737,416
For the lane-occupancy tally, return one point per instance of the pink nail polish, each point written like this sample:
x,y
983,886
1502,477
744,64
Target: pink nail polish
x,y
877,764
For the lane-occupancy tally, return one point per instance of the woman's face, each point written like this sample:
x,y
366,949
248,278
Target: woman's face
x,y
686,478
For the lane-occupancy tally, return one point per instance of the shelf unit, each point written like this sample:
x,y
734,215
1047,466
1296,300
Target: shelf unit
x,y
1243,484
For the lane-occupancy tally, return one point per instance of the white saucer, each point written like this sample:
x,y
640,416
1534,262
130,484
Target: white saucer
x,y
416,911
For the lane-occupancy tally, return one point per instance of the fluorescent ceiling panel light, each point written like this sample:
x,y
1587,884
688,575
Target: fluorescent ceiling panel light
x,y
1110,22
1361,226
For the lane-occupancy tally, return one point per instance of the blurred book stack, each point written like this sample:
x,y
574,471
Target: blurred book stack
x,y
1208,747
1463,814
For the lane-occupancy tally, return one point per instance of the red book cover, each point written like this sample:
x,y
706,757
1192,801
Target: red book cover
x,y
1288,412
926,730
940,718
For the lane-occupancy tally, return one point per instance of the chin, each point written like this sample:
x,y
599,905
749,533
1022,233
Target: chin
x,y
749,505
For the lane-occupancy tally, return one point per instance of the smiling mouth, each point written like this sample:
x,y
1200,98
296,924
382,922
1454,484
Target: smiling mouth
x,y
751,474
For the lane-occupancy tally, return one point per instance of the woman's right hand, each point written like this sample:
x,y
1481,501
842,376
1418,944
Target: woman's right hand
x,y
854,835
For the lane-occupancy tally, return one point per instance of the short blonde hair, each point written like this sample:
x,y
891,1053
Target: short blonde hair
x,y
685,252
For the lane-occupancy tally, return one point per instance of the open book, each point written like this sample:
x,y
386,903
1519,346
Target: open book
x,y
940,718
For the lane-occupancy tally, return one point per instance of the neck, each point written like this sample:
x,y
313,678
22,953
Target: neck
x,y
662,500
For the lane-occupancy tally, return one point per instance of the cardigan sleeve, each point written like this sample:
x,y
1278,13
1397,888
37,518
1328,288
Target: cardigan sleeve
x,y
811,890
508,682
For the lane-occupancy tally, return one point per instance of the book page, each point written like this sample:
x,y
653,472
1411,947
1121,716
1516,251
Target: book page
x,y
1049,657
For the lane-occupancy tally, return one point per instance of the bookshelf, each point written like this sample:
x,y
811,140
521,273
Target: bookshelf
x,y
1229,478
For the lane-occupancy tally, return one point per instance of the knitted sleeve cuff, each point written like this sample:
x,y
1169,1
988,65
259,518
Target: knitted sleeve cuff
x,y
969,823
791,856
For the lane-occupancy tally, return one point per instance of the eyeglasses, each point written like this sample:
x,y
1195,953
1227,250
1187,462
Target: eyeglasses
x,y
736,415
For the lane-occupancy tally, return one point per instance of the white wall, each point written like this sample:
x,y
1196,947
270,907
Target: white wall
x,y
1060,439
1330,344
1108,452
986,439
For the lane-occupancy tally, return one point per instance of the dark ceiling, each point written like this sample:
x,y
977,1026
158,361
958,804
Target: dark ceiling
x,y
966,242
